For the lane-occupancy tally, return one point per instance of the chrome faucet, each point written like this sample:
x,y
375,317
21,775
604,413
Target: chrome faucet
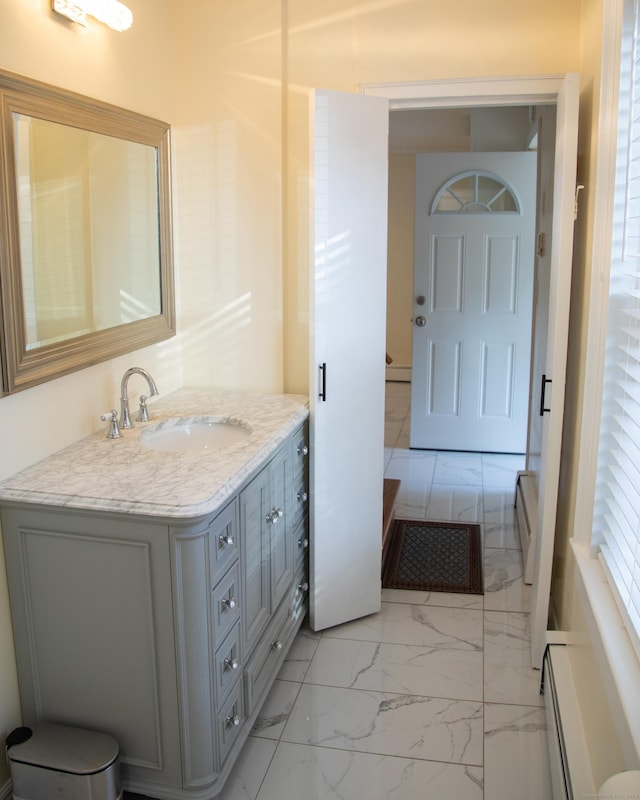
x,y
125,418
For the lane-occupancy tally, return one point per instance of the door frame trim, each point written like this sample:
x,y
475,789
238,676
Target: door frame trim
x,y
560,90
469,92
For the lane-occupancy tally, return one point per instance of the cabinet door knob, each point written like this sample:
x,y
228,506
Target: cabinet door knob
x,y
232,663
303,587
304,543
232,721
303,450
228,602
277,645
226,539
302,497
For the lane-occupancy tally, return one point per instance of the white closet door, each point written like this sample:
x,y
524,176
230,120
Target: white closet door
x,y
348,318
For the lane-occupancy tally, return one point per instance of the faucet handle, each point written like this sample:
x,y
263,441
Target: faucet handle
x,y
113,431
143,411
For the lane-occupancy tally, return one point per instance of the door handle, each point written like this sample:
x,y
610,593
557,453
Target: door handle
x,y
543,389
421,321
322,394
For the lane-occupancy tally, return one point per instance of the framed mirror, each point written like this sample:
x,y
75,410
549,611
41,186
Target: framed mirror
x,y
86,269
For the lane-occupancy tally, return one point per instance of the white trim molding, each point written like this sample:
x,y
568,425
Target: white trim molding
x,y
601,243
613,649
468,92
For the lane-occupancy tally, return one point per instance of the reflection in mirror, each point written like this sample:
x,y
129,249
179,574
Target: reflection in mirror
x,y
86,266
85,258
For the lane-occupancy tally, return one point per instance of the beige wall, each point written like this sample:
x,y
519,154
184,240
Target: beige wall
x,y
400,257
228,152
236,92
333,44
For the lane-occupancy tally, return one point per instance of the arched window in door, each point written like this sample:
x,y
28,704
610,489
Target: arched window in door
x,y
475,193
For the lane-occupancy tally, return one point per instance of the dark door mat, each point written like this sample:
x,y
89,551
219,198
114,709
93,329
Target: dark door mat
x,y
434,557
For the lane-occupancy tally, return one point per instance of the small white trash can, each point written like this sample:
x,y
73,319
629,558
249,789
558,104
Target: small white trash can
x,y
57,761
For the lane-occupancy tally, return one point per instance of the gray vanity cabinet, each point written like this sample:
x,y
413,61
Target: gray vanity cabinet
x,y
92,614
165,633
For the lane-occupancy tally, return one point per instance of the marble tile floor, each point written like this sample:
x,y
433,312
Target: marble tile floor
x,y
430,699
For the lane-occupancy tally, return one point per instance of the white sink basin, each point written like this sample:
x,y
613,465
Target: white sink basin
x,y
195,434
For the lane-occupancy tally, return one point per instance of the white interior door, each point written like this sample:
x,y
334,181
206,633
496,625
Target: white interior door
x,y
473,287
347,358
555,359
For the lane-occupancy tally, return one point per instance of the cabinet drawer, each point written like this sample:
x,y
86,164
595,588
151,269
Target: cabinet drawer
x,y
268,655
230,721
226,604
223,539
228,667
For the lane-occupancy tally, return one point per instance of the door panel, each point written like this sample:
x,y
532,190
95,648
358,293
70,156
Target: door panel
x,y
348,308
501,275
444,379
496,389
447,271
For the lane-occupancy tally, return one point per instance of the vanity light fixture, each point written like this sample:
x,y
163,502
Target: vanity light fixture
x,y
111,12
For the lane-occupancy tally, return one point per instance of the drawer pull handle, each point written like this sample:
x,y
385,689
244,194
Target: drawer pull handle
x,y
232,721
303,450
226,540
228,602
304,543
274,515
277,645
302,497
232,663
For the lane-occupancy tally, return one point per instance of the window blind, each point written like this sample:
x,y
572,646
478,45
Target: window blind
x,y
616,530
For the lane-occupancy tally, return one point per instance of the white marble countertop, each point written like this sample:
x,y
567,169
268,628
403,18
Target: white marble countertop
x,y
121,475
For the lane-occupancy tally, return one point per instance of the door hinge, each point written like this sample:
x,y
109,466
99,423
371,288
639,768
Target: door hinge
x,y
540,245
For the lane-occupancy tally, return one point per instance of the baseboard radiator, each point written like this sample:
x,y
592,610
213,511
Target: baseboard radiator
x,y
527,516
571,774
